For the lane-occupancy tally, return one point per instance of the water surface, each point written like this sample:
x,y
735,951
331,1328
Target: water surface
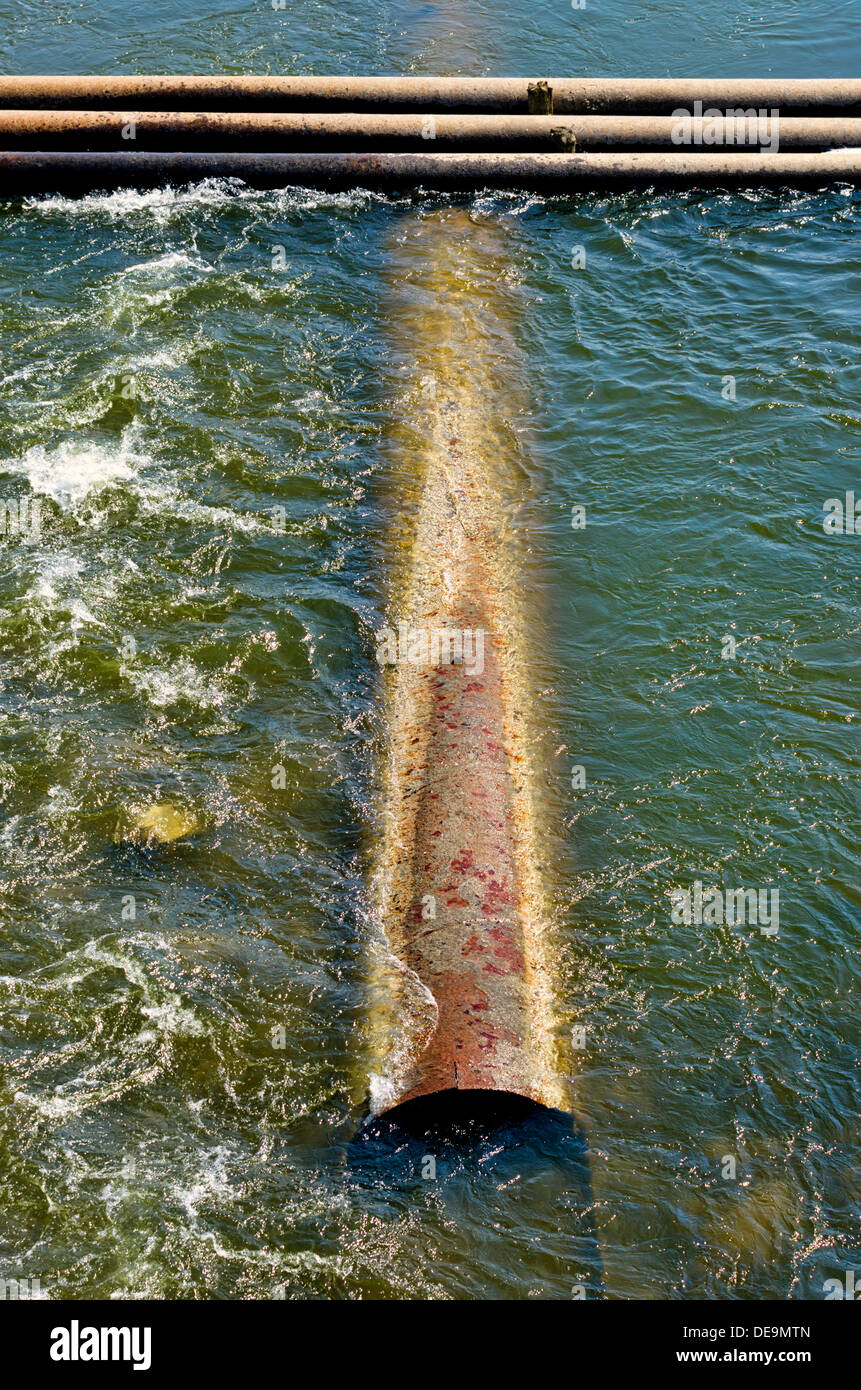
x,y
200,387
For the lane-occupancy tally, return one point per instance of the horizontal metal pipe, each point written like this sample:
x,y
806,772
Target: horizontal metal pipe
x,y
389,132
662,96
78,172
643,96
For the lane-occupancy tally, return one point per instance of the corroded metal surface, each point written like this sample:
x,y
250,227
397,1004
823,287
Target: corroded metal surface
x,y
384,132
457,883
27,171
644,96
470,953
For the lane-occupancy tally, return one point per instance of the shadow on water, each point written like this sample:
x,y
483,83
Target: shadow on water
x,y
526,1163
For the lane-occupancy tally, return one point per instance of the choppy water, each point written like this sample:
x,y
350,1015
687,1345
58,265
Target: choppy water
x,y
169,633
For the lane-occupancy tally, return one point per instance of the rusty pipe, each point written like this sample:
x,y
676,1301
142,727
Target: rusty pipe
x,y
390,132
598,95
80,172
470,954
662,96
458,865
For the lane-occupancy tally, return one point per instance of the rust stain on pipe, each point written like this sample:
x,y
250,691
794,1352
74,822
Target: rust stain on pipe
x,y
457,885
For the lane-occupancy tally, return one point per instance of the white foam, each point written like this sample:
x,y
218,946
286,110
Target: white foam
x,y
76,471
22,374
72,471
165,357
165,500
56,571
213,1183
400,997
157,205
58,589
160,205
169,262
166,685
170,1016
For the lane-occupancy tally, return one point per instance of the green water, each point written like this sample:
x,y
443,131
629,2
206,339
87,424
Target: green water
x,y
209,439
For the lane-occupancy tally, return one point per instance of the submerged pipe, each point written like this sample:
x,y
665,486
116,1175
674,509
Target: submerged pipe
x,y
456,884
384,132
643,96
79,172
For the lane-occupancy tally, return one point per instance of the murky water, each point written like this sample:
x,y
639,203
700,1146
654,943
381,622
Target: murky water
x,y
203,391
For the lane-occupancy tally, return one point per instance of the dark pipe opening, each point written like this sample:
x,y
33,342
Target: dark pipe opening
x,y
461,1116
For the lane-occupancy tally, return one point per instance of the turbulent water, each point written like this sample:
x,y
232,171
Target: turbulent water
x,y
201,398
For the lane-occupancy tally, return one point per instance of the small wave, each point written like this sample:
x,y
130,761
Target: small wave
x,y
183,682
212,1183
76,471
168,501
166,357
170,1016
72,471
157,205
153,283
161,205
170,261
22,374
404,1015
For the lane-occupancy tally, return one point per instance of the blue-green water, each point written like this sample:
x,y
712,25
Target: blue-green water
x,y
164,390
